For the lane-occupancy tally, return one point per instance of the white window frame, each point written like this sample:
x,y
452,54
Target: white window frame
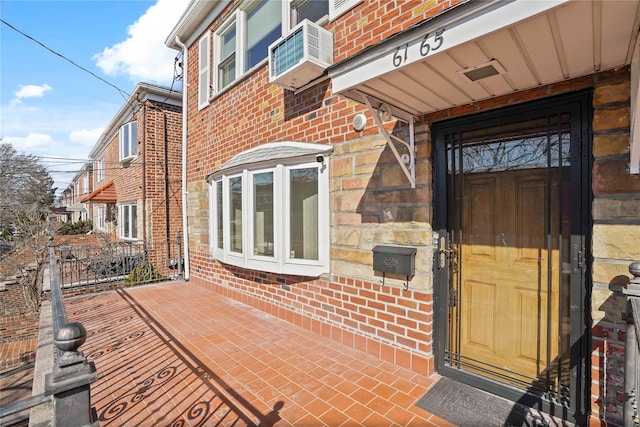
x,y
131,141
204,80
100,169
280,262
239,19
293,4
101,217
125,209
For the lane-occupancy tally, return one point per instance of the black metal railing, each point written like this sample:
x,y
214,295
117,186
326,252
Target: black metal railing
x,y
68,386
632,348
134,263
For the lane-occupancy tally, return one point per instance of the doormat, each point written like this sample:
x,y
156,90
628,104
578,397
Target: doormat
x,y
464,405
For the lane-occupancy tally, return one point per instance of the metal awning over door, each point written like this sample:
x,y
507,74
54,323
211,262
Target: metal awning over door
x,y
483,49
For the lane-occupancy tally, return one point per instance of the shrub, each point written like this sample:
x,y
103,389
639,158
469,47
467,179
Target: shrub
x,y
143,273
71,228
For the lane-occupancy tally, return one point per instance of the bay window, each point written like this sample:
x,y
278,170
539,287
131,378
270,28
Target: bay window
x,y
273,215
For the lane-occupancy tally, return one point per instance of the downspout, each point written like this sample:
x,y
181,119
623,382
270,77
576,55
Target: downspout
x,y
185,228
144,172
167,215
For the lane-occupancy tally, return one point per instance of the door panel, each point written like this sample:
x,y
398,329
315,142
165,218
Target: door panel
x,y
505,324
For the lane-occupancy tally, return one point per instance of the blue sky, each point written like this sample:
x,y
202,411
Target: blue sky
x,y
53,109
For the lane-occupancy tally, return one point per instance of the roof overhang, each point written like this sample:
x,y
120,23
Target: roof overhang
x,y
194,21
78,207
272,153
510,45
142,92
103,194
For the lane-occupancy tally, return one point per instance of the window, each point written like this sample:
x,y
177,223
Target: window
x,y
101,218
218,210
313,10
128,136
227,66
128,221
263,214
235,213
85,184
242,42
276,217
100,169
203,72
303,213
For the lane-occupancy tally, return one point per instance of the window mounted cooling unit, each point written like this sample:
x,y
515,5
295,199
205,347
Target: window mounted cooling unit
x,y
301,56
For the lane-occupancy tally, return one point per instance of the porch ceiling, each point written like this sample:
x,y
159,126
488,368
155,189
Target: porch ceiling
x,y
534,42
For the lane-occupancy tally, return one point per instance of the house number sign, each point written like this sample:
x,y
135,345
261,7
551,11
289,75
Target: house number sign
x,y
430,43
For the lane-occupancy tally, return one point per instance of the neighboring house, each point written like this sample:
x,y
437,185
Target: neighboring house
x,y
137,169
81,185
451,186
62,204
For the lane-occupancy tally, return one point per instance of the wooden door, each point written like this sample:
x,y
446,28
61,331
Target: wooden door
x,y
509,296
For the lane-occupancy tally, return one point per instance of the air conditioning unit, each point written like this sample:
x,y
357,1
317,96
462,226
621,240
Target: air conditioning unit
x,y
301,56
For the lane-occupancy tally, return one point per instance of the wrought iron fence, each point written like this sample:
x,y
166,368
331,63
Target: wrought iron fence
x,y
68,385
135,262
632,349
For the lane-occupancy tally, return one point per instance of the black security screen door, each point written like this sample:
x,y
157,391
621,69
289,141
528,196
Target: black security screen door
x,y
510,268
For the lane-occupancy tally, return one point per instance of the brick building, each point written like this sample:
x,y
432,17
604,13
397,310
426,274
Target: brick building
x,y
453,187
137,168
81,185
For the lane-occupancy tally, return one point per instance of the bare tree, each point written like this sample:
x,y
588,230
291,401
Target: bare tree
x,y
26,188
26,194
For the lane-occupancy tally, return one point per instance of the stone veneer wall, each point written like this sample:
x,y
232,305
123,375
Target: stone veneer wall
x,y
616,243
371,203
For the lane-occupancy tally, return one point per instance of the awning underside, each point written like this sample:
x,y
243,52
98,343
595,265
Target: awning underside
x,y
484,49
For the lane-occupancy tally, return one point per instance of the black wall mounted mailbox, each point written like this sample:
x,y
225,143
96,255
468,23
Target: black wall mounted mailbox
x,y
394,259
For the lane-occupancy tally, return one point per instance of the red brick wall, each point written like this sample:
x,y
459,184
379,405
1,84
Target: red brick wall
x,y
351,305
152,180
383,321
163,152
19,327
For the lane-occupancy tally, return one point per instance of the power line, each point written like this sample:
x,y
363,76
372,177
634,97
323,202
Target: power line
x,y
122,92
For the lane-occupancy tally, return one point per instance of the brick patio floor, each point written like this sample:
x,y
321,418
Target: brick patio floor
x,y
179,354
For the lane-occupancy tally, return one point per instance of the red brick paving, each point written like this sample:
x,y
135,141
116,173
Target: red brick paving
x,y
15,385
178,354
16,353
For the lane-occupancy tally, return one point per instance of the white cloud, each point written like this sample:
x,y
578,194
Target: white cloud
x,y
144,56
30,143
86,137
29,91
